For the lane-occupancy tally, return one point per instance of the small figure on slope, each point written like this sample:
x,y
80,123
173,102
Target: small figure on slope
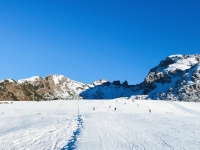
x,y
149,110
115,109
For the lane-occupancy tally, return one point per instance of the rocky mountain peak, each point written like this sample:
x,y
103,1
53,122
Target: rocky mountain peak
x,y
172,76
99,82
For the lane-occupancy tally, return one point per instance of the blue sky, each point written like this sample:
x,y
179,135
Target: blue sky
x,y
87,40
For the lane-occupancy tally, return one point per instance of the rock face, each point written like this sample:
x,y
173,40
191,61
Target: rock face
x,y
177,77
37,88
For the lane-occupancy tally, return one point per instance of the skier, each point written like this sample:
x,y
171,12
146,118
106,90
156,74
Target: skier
x,y
137,104
93,108
109,106
149,110
115,109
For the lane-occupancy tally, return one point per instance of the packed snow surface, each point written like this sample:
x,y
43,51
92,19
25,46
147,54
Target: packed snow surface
x,y
60,125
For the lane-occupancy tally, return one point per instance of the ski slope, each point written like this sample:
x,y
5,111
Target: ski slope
x,y
55,125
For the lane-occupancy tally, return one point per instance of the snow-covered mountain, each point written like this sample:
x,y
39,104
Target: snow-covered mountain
x,y
61,87
177,77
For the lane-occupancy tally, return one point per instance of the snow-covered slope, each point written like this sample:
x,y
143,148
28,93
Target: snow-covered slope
x,y
32,79
55,125
107,92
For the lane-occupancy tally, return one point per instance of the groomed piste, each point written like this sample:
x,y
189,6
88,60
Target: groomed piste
x,y
94,125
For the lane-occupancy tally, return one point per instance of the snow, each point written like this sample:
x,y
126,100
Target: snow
x,y
182,64
57,78
107,92
55,125
75,87
32,79
162,88
99,82
193,105
138,97
9,80
177,55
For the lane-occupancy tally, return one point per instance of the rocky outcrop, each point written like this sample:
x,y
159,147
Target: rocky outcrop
x,y
176,78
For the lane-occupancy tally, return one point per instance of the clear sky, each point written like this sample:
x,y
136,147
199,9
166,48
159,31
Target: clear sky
x,y
87,40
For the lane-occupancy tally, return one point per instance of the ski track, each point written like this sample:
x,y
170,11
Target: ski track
x,y
71,145
193,112
42,128
55,125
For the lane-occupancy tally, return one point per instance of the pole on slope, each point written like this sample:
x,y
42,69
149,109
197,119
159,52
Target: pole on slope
x,y
78,108
33,96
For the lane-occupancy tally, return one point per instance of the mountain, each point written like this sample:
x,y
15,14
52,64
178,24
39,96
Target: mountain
x,y
61,87
177,77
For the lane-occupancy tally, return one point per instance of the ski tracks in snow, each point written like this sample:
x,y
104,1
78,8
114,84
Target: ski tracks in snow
x,y
106,132
71,145
54,126
106,129
37,126
184,109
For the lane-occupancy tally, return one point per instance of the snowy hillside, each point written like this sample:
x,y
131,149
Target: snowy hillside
x,y
55,125
61,87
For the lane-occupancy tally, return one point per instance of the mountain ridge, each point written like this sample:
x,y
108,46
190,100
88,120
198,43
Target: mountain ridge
x,y
177,77
55,87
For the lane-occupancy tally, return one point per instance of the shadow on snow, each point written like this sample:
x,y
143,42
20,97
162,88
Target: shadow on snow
x,y
71,145
108,90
